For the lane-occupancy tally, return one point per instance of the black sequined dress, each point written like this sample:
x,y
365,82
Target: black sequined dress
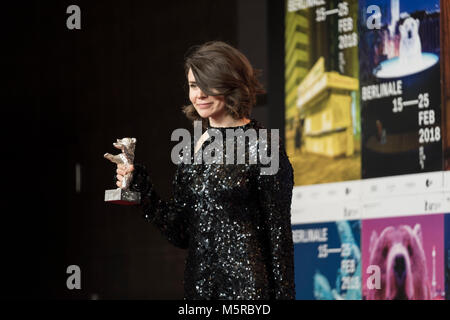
x,y
234,221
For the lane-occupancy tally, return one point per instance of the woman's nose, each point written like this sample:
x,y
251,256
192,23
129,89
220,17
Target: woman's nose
x,y
201,94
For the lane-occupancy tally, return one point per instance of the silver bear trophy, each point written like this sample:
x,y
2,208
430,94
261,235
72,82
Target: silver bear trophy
x,y
123,195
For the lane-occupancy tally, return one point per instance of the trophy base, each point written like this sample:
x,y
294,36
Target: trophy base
x,y
122,197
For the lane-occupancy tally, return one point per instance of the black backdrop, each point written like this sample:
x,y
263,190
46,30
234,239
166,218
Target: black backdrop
x,y
67,95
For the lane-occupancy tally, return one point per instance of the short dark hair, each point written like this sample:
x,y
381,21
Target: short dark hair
x,y
219,66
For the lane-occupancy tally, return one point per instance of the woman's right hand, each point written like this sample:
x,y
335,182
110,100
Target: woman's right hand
x,y
121,171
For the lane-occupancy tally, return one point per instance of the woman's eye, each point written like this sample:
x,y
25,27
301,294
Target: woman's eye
x,y
193,86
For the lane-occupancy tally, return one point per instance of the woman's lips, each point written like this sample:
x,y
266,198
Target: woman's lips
x,y
204,105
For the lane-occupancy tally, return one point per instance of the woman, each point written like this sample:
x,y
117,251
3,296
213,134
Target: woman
x,y
234,221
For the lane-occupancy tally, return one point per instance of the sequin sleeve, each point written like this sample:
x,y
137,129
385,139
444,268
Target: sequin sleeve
x,y
275,195
170,216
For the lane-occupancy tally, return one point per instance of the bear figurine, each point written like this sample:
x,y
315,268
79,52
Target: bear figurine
x,y
127,146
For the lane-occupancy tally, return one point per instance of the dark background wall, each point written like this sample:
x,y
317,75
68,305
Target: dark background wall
x,y
68,95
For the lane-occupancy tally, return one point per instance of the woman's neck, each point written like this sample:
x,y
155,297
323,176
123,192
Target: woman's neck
x,y
227,121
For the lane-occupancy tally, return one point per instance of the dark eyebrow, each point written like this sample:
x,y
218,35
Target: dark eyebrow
x,y
192,82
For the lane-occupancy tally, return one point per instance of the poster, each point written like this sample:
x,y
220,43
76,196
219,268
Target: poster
x,y
403,258
323,130
445,70
447,256
400,87
328,261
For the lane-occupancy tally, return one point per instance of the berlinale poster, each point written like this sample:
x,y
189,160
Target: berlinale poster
x,y
328,260
403,258
447,256
400,87
323,134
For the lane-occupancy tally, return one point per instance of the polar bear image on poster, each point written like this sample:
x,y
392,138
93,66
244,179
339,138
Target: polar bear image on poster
x,y
410,43
404,45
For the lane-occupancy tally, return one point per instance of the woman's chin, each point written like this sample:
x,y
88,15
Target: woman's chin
x,y
204,113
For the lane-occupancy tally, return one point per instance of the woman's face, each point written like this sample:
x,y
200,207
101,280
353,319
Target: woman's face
x,y
206,106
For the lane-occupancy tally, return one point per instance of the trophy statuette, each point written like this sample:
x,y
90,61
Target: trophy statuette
x,y
123,195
